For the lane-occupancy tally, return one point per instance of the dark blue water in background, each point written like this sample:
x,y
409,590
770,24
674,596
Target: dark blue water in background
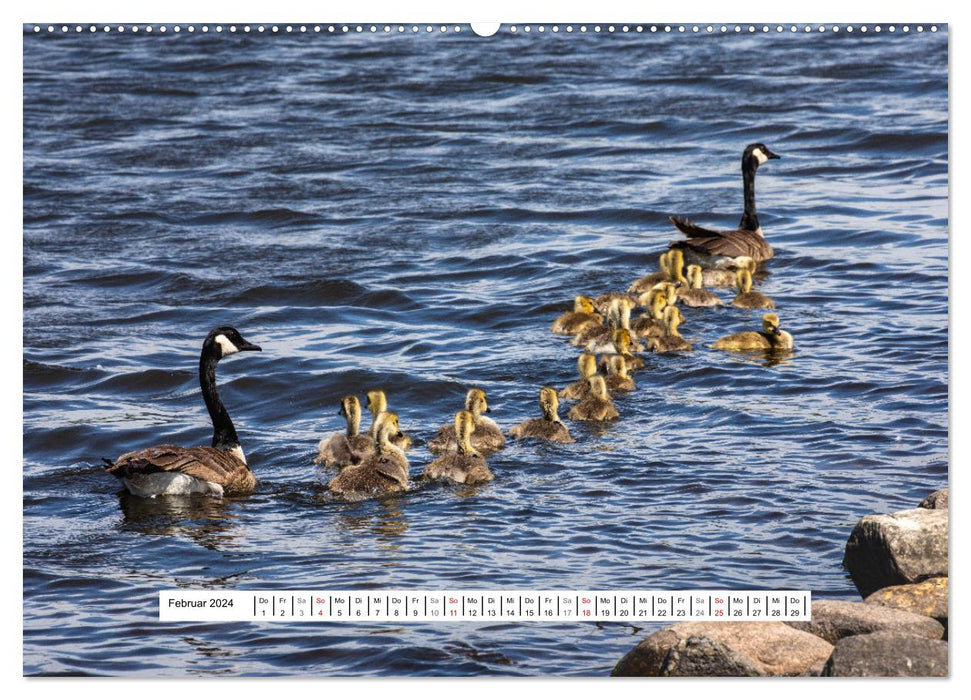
x,y
412,212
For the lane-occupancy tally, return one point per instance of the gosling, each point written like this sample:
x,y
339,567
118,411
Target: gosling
x,y
384,472
549,427
746,298
377,403
663,275
587,365
582,317
486,438
617,379
657,300
694,296
465,465
621,346
597,406
671,341
343,449
771,338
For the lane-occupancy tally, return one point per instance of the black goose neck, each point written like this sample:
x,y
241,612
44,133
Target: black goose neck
x,y
223,430
750,220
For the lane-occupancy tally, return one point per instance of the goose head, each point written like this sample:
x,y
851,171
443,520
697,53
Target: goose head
x,y
676,265
475,402
771,324
583,305
388,431
755,154
351,410
549,403
654,300
587,364
672,319
226,340
464,425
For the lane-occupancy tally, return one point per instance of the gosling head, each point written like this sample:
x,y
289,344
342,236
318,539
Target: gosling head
x,y
464,426
475,402
671,291
388,431
351,410
755,155
676,265
587,364
672,319
694,276
377,402
549,403
583,305
225,341
665,263
621,341
771,325
598,387
743,280
618,366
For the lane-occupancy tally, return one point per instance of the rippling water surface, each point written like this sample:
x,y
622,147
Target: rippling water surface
x,y
412,212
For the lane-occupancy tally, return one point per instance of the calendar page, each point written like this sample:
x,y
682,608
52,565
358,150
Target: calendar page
x,y
519,349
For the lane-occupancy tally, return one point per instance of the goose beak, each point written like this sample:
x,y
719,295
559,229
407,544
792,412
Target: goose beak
x,y
399,435
770,155
246,345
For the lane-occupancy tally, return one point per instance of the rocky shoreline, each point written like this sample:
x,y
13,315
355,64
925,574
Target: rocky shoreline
x,y
899,564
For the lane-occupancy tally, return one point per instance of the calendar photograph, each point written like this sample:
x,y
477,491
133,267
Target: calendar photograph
x,y
517,350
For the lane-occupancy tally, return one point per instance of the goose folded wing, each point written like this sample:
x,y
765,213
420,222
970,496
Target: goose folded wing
x,y
391,469
732,244
692,230
207,463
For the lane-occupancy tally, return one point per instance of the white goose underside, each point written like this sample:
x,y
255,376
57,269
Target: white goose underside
x,y
170,484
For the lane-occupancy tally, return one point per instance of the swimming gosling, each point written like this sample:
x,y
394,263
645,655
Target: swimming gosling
x,y
549,427
587,365
771,337
582,317
486,438
597,406
384,472
695,296
746,298
465,465
617,379
377,403
343,449
671,341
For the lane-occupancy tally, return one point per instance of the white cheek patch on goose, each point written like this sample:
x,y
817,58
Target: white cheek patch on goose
x,y
757,152
226,344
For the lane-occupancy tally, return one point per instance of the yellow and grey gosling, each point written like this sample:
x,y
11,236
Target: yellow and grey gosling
x,y
463,465
746,298
771,338
486,438
622,342
582,317
617,379
377,403
343,449
587,365
597,406
601,340
694,296
384,472
602,303
671,341
549,427
645,283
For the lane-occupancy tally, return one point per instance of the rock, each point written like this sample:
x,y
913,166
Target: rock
x,y
925,598
937,500
887,654
725,649
834,619
904,547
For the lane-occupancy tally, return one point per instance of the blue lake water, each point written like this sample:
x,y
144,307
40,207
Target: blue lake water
x,y
412,212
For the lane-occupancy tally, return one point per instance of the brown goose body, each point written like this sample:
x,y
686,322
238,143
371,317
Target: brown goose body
x,y
171,470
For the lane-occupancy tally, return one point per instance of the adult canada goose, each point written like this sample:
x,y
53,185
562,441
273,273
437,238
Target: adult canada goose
x,y
664,275
217,470
583,316
771,337
671,341
549,427
597,406
384,472
694,296
617,378
342,449
486,438
719,248
377,403
465,465
746,298
587,365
